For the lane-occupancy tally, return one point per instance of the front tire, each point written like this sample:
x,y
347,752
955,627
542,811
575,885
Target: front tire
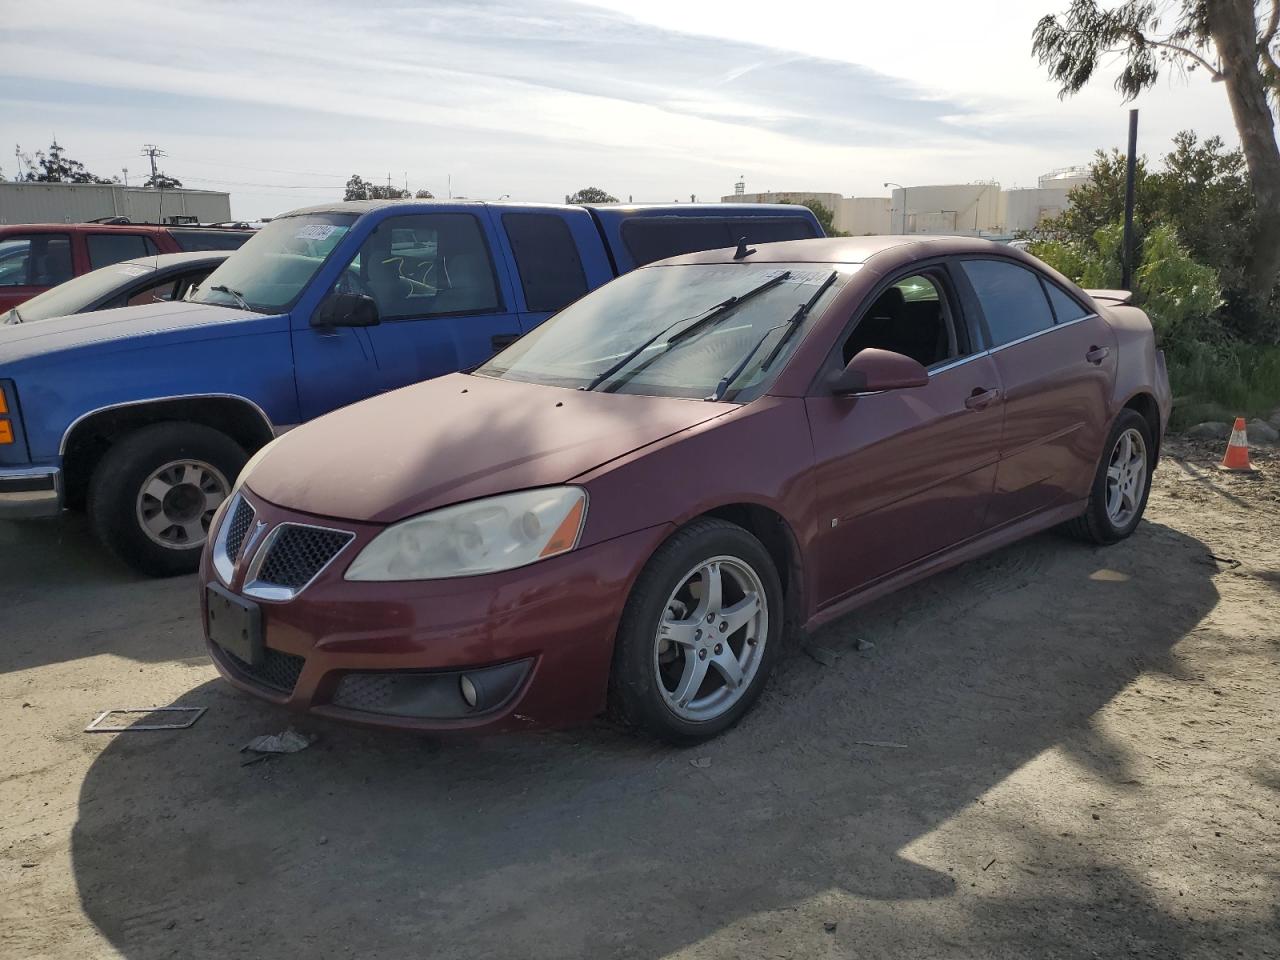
x,y
699,634
1121,485
154,492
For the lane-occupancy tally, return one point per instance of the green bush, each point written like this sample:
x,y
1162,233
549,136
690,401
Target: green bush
x,y
1222,381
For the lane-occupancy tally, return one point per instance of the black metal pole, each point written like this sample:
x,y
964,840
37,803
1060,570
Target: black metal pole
x,y
1131,170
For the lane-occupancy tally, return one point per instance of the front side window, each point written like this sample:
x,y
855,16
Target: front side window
x,y
108,248
424,266
695,330
37,259
910,317
275,265
1012,299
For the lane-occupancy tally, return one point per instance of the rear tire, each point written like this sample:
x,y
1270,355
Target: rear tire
x,y
699,634
153,493
1121,484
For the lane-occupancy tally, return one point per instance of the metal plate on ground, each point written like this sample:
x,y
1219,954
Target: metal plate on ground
x,y
234,623
183,718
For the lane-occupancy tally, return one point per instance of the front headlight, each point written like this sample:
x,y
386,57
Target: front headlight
x,y
484,536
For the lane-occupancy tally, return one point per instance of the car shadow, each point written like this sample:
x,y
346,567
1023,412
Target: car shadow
x,y
64,597
595,843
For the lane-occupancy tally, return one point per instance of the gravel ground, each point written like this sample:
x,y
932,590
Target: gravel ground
x,y
1057,751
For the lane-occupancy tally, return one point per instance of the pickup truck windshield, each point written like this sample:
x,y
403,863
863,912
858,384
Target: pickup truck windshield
x,y
677,331
272,269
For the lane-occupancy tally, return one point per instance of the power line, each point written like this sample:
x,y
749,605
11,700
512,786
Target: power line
x,y
238,166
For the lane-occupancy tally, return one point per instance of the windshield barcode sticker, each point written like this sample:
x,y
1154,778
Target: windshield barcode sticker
x,y
315,231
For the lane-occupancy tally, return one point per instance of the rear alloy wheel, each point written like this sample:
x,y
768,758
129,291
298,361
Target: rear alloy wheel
x,y
1121,484
699,634
154,492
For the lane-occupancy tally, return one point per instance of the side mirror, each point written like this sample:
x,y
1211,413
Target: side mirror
x,y
346,310
872,370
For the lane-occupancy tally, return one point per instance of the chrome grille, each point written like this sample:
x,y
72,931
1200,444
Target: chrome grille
x,y
295,555
238,526
278,670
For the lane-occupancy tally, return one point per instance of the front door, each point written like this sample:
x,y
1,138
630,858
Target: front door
x,y
444,304
905,473
1056,360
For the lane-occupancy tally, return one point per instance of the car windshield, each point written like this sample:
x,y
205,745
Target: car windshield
x,y
271,270
82,291
678,331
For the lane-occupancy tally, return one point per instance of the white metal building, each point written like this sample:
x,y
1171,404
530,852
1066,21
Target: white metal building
x,y
81,202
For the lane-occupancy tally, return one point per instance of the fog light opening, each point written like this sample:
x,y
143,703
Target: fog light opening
x,y
468,690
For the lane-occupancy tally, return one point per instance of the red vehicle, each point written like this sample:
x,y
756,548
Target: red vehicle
x,y
630,506
37,256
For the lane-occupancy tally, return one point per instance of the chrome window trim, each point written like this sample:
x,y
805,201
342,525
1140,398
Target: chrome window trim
x,y
959,363
1041,333
66,434
274,592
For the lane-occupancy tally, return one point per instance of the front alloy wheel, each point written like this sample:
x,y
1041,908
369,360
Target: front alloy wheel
x,y
698,635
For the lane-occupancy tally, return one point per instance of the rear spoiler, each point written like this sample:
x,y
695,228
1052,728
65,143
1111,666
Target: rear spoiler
x,y
1112,296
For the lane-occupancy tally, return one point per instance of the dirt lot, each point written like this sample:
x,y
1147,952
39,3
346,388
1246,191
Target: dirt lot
x,y
1057,751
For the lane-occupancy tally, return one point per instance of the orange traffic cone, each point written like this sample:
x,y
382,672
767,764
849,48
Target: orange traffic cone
x,y
1237,456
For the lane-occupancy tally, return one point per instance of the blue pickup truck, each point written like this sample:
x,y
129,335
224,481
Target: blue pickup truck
x,y
144,416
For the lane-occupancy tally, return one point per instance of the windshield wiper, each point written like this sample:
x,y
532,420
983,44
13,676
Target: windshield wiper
x,y
223,288
701,320
791,325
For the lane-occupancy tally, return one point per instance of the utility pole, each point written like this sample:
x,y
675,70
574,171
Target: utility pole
x,y
1130,186
125,171
151,151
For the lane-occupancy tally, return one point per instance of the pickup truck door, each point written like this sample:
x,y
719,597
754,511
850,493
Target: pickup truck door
x,y
445,301
556,257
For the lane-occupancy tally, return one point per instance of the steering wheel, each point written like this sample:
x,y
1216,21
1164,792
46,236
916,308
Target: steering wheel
x,y
351,282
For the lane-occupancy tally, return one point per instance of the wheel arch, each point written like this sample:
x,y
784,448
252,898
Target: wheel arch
x,y
779,539
90,436
1145,405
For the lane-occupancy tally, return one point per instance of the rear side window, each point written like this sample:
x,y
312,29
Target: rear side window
x,y
108,248
1065,307
1012,299
547,258
655,238
192,240
37,259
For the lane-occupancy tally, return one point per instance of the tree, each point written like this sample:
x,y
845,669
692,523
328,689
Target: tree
x,y
826,216
162,181
591,195
55,167
358,188
424,195
1225,39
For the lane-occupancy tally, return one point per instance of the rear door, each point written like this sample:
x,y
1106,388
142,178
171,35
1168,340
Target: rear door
x,y
557,257
444,301
1056,359
107,248
903,474
31,263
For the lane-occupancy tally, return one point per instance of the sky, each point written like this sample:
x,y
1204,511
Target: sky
x,y
280,102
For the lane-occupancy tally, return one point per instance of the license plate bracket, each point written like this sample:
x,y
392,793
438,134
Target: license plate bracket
x,y
233,623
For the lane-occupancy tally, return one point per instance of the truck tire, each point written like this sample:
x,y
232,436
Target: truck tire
x,y
154,492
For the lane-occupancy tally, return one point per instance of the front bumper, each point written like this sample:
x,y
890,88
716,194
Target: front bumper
x,y
30,492
552,623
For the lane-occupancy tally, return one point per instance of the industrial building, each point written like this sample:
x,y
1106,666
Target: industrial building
x,y
980,209
82,202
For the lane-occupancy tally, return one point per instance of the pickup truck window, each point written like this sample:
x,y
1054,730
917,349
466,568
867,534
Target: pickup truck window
x,y
193,240
273,268
656,238
425,265
37,259
547,259
108,248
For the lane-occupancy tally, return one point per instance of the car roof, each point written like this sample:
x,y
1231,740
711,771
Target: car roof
x,y
24,228
840,250
359,207
163,261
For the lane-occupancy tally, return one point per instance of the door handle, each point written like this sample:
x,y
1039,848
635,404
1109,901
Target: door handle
x,y
500,341
1097,354
980,399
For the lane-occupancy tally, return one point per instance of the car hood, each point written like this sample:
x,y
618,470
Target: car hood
x,y
458,438
20,340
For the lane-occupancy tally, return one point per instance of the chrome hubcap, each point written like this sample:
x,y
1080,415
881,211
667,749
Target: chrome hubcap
x,y
711,640
177,502
1126,477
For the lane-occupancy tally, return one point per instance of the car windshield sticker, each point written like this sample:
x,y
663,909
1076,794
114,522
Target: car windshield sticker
x,y
315,231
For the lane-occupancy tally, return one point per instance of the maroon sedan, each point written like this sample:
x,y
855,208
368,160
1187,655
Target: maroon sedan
x,y
633,505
